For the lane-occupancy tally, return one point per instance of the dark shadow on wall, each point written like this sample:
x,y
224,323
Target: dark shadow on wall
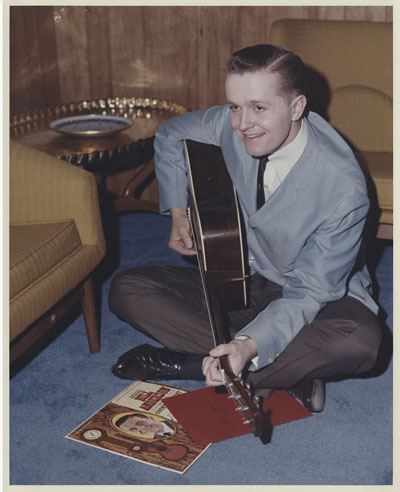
x,y
318,92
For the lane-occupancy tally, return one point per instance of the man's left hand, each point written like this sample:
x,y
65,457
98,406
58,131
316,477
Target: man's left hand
x,y
239,352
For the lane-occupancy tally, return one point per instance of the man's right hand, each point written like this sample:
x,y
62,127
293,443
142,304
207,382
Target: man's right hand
x,y
180,239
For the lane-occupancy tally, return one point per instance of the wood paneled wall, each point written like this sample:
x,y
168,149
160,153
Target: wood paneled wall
x,y
62,54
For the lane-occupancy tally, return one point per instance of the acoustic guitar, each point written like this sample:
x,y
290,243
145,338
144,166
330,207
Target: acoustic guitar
x,y
215,220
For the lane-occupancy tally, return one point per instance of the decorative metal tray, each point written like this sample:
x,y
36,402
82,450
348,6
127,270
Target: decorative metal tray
x,y
91,125
133,145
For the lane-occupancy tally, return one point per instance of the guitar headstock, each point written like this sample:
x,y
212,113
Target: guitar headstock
x,y
247,405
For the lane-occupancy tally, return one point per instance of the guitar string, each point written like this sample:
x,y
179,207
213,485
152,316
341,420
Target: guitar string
x,y
202,264
240,402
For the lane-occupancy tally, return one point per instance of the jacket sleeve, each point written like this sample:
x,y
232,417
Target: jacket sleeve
x,y
320,275
170,161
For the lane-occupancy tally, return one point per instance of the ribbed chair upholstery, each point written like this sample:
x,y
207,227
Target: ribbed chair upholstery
x,y
56,241
351,76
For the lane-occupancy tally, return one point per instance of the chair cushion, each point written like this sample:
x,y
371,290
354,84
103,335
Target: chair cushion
x,y
36,248
41,296
364,116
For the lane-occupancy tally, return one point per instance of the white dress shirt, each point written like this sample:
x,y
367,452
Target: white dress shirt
x,y
281,162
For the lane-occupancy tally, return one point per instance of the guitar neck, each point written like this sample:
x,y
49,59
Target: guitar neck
x,y
215,220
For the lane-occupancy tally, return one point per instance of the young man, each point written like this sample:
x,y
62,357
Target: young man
x,y
303,198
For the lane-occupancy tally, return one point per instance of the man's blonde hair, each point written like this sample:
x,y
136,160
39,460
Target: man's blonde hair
x,y
276,59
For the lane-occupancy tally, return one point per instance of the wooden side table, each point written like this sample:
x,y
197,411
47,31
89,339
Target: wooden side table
x,y
131,149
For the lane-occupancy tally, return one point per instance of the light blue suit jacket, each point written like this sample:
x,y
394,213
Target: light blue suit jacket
x,y
305,238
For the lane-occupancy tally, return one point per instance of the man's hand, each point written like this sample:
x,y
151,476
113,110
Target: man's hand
x,y
239,352
180,239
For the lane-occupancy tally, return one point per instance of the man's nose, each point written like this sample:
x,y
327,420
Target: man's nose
x,y
245,121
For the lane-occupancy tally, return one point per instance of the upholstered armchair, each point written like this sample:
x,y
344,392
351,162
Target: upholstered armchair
x,y
350,73
56,242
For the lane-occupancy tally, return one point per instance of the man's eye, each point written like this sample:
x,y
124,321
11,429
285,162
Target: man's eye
x,y
233,107
259,108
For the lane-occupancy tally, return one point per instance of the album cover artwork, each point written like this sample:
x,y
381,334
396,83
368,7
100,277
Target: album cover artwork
x,y
137,424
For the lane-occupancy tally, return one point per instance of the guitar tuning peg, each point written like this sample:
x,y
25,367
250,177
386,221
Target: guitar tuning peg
x,y
249,389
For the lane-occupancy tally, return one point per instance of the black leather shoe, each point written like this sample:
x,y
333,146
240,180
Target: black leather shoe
x,y
146,362
311,393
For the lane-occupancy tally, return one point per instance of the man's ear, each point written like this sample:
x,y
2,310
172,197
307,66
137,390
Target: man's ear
x,y
298,106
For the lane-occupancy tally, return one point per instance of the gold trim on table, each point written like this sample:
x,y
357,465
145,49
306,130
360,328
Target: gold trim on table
x,y
127,107
131,146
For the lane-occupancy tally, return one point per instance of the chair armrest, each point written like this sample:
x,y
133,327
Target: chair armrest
x,y
45,188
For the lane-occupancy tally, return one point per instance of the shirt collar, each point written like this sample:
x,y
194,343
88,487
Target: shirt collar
x,y
290,154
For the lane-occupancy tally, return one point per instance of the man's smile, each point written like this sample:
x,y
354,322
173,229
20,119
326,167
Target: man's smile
x,y
253,136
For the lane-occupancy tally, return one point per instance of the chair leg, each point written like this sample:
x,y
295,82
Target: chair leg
x,y
89,315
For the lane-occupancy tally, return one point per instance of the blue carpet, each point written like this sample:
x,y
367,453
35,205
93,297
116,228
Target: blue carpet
x,y
349,443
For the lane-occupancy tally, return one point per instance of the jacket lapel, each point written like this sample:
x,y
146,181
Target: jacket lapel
x,y
286,194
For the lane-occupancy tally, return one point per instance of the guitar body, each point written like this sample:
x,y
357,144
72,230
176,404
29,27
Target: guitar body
x,y
215,219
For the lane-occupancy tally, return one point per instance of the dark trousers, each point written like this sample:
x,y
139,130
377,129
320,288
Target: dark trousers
x,y
168,304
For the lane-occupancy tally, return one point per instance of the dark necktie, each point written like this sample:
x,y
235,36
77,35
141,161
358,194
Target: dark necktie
x,y
260,181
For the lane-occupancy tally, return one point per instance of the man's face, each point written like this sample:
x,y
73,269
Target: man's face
x,y
263,119
141,425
